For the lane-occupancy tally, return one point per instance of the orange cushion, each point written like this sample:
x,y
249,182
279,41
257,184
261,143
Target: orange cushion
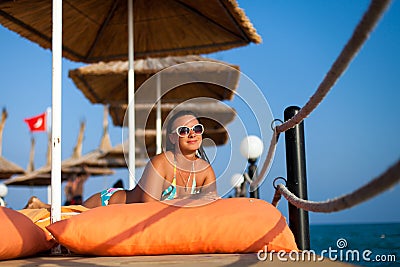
x,y
41,217
20,237
234,225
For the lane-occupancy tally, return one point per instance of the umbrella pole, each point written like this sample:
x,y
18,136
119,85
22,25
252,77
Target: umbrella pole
x,y
56,112
158,120
49,194
49,148
131,98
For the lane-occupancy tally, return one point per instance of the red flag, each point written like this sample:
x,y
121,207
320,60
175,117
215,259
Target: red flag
x,y
37,123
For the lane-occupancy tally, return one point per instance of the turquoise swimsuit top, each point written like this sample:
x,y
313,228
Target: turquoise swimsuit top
x,y
170,192
167,194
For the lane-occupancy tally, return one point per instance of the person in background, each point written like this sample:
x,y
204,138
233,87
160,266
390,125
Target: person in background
x,y
118,184
73,192
74,189
68,191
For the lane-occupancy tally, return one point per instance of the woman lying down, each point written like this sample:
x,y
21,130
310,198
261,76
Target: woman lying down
x,y
182,171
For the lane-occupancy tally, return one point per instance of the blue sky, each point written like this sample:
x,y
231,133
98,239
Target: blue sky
x,y
350,138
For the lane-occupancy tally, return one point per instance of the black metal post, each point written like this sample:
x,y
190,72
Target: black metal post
x,y
252,171
242,189
297,179
237,192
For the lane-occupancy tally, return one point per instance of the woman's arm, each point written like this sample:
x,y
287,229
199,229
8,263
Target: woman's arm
x,y
209,187
152,181
149,187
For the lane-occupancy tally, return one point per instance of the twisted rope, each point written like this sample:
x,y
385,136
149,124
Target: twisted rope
x,y
277,197
360,35
378,185
256,181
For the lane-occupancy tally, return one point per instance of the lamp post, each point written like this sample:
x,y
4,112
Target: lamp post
x,y
236,181
251,148
3,193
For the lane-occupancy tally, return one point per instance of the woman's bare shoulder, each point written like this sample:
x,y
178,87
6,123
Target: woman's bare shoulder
x,y
202,164
162,160
162,157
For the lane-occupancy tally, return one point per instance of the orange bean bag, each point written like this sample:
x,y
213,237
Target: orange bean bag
x,y
20,237
234,225
41,217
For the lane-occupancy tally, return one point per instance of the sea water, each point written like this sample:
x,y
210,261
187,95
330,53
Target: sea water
x,y
359,244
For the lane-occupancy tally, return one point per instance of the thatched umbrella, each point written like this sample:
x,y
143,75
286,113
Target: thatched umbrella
x,y
93,163
107,83
98,30
214,116
70,167
7,168
95,159
42,176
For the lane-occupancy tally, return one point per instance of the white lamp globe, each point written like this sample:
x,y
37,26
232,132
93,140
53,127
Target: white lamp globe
x,y
237,180
3,190
251,147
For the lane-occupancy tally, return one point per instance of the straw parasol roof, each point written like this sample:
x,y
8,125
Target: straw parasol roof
x,y
94,159
214,115
69,167
97,30
7,168
93,162
107,83
42,176
149,138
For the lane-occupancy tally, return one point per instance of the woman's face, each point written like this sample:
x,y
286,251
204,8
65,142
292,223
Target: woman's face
x,y
189,143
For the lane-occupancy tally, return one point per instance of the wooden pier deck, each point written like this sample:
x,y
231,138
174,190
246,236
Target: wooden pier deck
x,y
200,260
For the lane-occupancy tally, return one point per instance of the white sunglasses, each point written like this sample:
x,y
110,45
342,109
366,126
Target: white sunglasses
x,y
184,131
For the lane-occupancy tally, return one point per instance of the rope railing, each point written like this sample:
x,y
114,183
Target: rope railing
x,y
378,185
360,35
268,160
277,197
